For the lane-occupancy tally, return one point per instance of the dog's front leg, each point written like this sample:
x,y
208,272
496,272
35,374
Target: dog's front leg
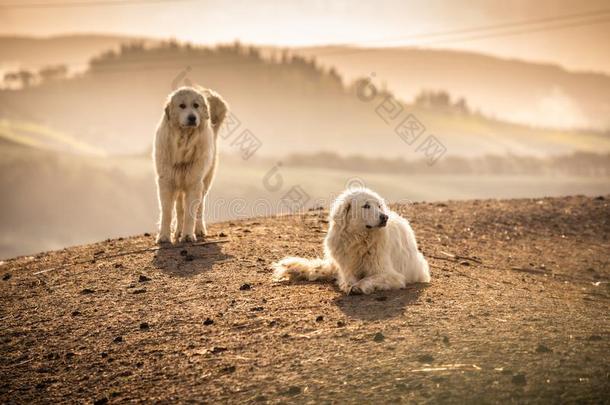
x,y
167,197
345,281
388,280
200,228
192,198
179,215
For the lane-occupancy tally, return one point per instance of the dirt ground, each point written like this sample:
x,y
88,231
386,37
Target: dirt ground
x,y
518,310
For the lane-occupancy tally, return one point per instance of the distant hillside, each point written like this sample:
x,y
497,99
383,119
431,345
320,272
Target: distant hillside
x,y
52,198
41,137
76,50
289,103
520,91
515,90
577,164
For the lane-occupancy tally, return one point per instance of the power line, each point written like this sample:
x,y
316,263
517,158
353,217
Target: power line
x,y
94,3
482,35
126,65
528,31
510,24
173,63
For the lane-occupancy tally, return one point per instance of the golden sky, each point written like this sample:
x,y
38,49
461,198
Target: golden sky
x,y
582,44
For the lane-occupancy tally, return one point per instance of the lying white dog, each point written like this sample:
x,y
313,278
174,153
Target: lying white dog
x,y
367,248
186,155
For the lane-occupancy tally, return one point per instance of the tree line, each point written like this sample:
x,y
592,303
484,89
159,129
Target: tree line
x,y
577,164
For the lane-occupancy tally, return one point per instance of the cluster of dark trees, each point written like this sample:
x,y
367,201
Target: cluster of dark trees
x,y
24,78
140,56
578,164
441,101
234,56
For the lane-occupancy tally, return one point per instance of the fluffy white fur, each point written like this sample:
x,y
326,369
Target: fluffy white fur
x,y
186,155
367,248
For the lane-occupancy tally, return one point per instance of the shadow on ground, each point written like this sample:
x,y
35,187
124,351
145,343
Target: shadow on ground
x,y
380,305
188,260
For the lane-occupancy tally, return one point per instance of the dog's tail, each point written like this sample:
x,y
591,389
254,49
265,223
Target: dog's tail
x,y
424,268
218,108
298,268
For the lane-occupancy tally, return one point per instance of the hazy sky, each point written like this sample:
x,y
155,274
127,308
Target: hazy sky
x,y
314,22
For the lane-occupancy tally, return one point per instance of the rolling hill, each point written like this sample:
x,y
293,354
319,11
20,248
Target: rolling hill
x,y
517,311
74,50
75,164
291,104
514,90
53,198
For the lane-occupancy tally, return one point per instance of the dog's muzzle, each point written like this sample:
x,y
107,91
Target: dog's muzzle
x,y
383,220
191,121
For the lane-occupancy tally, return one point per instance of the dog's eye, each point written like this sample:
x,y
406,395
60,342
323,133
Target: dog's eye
x,y
196,105
183,106
366,206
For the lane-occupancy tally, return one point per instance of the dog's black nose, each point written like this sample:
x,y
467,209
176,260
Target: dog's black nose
x,y
383,218
192,119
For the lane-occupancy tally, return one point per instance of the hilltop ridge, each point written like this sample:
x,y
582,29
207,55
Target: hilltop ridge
x,y
516,311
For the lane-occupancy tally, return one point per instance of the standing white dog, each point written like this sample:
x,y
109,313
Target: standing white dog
x,y
367,248
186,155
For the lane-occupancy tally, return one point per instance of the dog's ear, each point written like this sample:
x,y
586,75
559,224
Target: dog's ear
x,y
340,211
167,108
218,108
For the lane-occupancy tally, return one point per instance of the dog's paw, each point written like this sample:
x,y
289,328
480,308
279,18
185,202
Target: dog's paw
x,y
355,290
345,287
189,237
163,238
361,288
200,230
